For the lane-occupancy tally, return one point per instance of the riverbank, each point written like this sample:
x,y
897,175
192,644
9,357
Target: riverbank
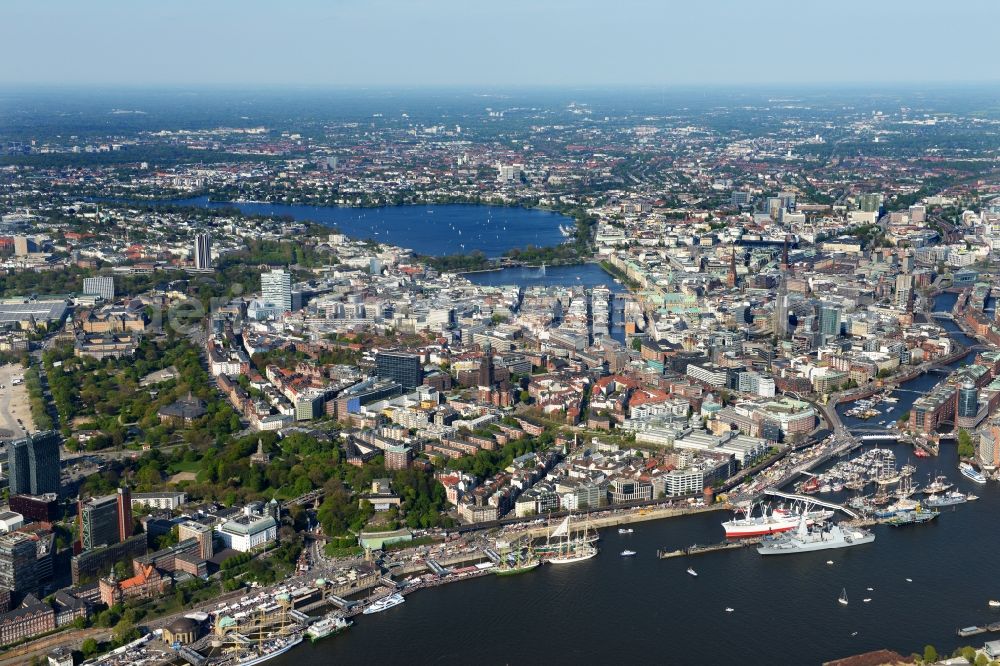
x,y
638,516
369,205
629,283
510,264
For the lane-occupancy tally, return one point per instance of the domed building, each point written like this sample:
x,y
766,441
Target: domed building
x,y
183,630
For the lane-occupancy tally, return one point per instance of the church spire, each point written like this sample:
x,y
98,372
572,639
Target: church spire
x,y
731,278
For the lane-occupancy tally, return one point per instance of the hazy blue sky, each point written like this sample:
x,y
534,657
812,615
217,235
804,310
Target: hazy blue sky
x,y
497,42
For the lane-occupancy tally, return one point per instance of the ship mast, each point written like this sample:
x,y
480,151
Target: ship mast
x,y
564,545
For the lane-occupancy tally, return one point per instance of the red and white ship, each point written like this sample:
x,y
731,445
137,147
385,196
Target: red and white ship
x,y
811,486
778,520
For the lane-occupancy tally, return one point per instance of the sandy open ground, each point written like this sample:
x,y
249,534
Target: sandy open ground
x,y
14,401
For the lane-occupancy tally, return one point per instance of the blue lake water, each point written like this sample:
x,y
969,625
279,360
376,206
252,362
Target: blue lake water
x,y
429,230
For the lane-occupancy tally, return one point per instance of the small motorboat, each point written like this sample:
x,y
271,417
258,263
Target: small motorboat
x,y
628,553
994,603
909,580
866,599
625,530
971,498
692,571
829,561
729,610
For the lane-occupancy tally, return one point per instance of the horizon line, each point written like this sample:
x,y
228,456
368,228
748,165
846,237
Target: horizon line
x,y
390,87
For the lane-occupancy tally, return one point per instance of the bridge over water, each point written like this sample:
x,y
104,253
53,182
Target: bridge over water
x,y
879,437
811,500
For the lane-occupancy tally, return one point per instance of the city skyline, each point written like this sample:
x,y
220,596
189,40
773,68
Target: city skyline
x,y
308,307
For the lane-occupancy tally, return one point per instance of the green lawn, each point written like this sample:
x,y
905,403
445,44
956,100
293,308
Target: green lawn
x,y
422,541
352,551
184,466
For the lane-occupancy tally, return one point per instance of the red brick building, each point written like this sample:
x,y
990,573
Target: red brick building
x,y
31,619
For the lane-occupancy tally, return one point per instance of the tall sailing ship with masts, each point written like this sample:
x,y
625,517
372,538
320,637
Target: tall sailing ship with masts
x,y
566,547
518,560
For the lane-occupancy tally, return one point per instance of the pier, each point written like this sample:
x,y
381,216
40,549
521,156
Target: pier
x,y
437,568
975,630
841,449
191,657
339,602
859,522
636,516
712,548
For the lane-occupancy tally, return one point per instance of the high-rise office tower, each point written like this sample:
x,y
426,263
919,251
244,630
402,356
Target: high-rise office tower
x,y
33,464
18,562
18,467
989,443
104,520
203,533
203,251
23,246
968,400
780,324
400,367
870,203
740,198
772,206
102,285
508,173
904,290
124,514
276,288
829,320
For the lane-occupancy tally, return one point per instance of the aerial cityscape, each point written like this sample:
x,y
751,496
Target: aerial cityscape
x,y
524,362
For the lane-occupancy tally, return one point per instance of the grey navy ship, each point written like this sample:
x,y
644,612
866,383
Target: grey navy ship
x,y
803,539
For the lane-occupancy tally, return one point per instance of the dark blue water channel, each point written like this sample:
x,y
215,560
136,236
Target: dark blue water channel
x,y
616,610
578,275
587,275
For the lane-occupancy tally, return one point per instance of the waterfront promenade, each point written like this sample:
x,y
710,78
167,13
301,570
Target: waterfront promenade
x,y
636,516
468,549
